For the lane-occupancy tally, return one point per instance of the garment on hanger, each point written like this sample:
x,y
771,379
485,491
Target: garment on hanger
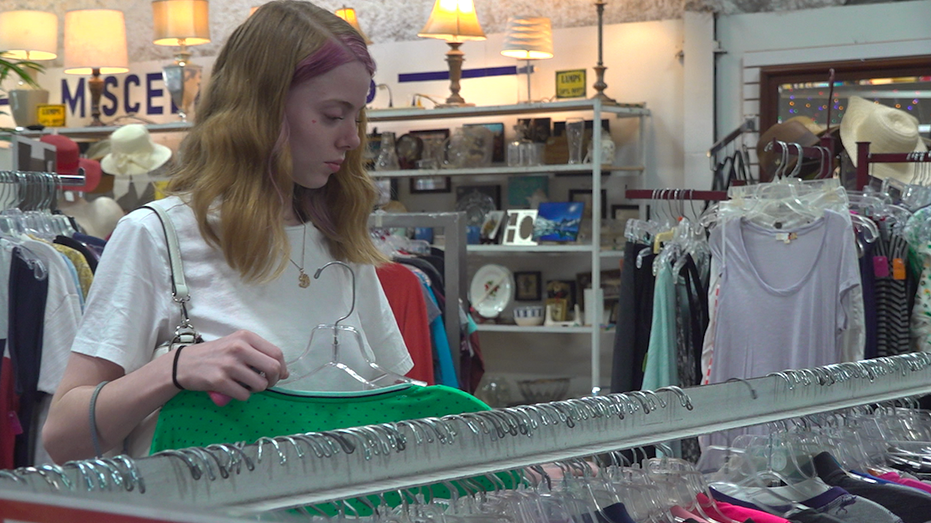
x,y
406,297
190,419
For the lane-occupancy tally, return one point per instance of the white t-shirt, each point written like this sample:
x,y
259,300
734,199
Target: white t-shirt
x,y
129,310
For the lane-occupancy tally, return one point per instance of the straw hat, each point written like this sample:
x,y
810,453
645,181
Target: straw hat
x,y
132,151
801,130
68,160
888,130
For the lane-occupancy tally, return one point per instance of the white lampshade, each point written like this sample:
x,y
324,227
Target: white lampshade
x,y
28,35
181,22
453,21
528,38
95,39
349,14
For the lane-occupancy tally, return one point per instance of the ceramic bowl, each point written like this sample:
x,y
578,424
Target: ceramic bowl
x,y
528,315
544,390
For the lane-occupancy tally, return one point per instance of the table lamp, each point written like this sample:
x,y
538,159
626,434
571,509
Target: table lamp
x,y
454,21
29,36
528,38
181,23
349,14
95,44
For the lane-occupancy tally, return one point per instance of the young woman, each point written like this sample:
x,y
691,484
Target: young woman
x,y
270,186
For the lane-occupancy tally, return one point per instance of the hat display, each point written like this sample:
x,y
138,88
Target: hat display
x,y
132,151
887,129
68,160
800,129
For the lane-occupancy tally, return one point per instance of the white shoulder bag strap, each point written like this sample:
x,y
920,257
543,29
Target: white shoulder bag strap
x,y
185,333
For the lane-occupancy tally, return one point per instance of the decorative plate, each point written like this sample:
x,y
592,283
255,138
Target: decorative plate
x,y
475,205
491,290
409,148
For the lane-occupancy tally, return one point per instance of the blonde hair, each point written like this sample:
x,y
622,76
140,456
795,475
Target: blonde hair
x,y
236,157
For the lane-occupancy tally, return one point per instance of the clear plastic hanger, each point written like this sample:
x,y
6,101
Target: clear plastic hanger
x,y
381,376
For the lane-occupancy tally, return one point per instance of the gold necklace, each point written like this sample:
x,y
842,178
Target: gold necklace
x,y
303,279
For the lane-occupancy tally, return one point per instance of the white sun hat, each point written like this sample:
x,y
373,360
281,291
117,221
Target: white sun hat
x,y
132,152
887,129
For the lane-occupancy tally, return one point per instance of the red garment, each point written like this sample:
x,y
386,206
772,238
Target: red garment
x,y
9,421
405,295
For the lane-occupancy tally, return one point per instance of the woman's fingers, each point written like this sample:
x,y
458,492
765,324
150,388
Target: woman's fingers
x,y
235,365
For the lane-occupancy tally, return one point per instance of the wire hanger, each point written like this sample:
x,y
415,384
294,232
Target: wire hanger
x,y
382,377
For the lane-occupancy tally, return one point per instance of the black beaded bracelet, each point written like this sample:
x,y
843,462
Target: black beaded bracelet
x,y
174,368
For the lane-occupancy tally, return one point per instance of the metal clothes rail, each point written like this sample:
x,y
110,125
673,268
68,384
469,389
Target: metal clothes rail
x,y
454,268
318,467
865,158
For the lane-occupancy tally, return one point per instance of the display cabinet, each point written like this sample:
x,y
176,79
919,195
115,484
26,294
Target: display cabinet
x,y
589,255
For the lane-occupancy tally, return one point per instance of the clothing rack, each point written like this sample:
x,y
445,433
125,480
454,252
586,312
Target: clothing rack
x,y
454,274
674,194
318,467
817,152
865,158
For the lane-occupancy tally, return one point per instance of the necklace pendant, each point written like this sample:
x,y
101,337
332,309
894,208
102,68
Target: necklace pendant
x,y
303,280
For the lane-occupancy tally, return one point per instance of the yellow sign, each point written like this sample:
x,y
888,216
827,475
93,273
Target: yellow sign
x,y
51,115
570,84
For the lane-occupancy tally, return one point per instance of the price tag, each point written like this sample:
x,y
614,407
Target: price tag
x,y
898,269
570,84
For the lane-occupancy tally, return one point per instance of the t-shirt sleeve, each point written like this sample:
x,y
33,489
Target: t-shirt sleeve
x,y
128,310
378,322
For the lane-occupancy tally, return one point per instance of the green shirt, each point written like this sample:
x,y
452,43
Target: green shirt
x,y
191,419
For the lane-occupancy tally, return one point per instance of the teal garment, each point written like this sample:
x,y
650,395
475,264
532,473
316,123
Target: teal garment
x,y
191,419
660,368
445,369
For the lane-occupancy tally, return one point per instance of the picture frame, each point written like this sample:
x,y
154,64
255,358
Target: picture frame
x,y
518,230
558,221
491,190
430,184
624,212
610,283
585,196
522,189
491,227
528,286
497,130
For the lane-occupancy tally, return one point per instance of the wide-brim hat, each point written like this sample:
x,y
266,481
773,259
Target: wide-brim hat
x,y
68,161
797,130
887,129
133,152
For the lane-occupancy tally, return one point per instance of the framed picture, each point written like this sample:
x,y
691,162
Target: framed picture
x,y
523,190
585,196
497,130
494,191
421,184
431,147
610,283
528,286
387,189
518,230
625,212
558,221
493,221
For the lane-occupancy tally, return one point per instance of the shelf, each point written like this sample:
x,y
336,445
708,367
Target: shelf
x,y
105,130
584,168
413,113
496,327
510,249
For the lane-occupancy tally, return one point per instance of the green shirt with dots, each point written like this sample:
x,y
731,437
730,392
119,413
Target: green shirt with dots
x,y
191,419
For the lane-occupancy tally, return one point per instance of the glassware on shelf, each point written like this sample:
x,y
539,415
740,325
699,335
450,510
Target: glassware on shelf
x,y
387,155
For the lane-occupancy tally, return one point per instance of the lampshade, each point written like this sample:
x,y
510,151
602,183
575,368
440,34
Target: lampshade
x,y
528,38
29,35
349,14
453,21
95,39
181,22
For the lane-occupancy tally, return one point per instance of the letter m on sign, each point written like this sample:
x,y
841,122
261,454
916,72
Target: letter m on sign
x,y
73,102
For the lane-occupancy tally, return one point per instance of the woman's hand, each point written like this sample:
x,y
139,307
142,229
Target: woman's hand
x,y
234,365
